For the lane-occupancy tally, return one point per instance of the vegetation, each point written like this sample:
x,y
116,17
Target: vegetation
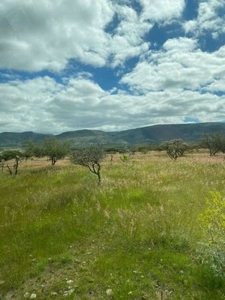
x,y
31,149
124,158
140,235
90,158
213,220
49,147
153,135
55,150
214,142
175,148
9,155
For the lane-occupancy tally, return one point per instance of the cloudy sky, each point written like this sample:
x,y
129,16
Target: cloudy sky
x,y
110,64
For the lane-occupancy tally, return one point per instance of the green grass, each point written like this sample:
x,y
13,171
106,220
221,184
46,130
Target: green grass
x,y
137,234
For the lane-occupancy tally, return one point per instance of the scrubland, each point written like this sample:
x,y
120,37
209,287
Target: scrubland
x,y
138,235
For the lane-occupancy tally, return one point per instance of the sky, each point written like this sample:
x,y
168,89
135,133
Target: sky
x,y
110,65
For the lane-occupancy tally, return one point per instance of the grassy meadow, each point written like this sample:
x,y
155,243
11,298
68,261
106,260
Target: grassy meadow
x,y
136,236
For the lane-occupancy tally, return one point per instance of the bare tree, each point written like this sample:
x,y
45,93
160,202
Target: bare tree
x,y
89,157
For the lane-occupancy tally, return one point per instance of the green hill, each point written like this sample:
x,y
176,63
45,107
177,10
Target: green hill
x,y
149,134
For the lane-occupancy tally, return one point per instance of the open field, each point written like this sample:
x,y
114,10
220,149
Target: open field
x,y
136,236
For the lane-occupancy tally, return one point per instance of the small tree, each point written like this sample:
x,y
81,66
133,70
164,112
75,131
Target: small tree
x,y
175,148
31,149
54,149
214,142
8,155
90,158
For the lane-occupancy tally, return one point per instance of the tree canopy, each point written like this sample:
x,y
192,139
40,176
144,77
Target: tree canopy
x,y
214,142
51,147
90,158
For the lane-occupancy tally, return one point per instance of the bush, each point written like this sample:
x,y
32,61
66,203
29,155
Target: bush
x,y
213,221
175,148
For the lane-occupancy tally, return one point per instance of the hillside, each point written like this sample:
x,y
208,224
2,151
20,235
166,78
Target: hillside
x,y
149,134
15,139
160,133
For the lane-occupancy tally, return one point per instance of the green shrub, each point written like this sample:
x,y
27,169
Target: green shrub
x,y
213,221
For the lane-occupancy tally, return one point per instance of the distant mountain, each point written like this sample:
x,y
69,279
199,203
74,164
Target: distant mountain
x,y
15,140
160,133
149,134
85,137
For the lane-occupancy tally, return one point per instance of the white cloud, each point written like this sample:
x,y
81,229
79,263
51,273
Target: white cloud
x,y
127,40
162,10
43,105
25,103
180,64
45,34
208,19
166,85
217,85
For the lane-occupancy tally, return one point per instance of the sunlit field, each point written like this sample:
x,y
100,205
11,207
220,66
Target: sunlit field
x,y
138,235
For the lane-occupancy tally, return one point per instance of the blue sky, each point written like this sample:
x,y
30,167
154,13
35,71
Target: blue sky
x,y
110,64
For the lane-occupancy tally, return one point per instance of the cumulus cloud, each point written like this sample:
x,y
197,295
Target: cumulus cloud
x,y
162,10
127,40
180,64
45,34
65,46
44,105
210,19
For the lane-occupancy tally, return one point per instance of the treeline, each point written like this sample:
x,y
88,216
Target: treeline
x,y
214,142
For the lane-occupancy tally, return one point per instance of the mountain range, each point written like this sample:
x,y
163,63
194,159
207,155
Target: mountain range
x,y
144,135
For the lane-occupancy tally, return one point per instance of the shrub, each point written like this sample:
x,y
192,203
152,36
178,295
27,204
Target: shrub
x,y
213,221
175,148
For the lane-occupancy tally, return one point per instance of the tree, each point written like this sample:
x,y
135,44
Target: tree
x,y
30,149
175,148
214,142
89,157
8,155
51,147
55,150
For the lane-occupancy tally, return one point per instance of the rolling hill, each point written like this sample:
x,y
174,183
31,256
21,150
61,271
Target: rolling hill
x,y
144,135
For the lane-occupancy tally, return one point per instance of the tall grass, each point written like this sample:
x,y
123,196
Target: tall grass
x,y
136,236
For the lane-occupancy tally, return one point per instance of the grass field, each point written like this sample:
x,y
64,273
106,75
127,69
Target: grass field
x,y
136,236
